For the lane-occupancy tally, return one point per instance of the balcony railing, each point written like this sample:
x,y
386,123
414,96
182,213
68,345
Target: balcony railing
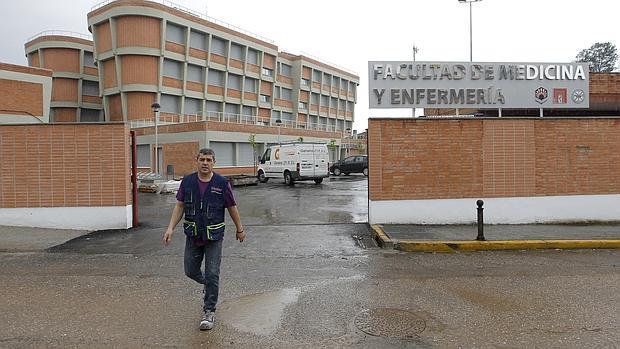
x,y
172,119
61,33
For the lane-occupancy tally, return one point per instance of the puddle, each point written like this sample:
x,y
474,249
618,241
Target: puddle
x,y
259,313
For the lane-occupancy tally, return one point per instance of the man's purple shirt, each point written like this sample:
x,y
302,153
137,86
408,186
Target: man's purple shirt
x,y
229,198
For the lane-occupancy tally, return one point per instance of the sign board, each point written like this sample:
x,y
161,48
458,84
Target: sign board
x,y
406,84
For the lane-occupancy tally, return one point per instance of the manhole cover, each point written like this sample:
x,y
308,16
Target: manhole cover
x,y
387,322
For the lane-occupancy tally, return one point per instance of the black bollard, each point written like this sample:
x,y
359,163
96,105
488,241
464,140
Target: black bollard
x,y
480,236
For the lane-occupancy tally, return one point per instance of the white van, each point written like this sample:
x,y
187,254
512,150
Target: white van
x,y
298,161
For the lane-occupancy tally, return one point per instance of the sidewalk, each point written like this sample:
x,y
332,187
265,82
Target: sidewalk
x,y
26,239
452,238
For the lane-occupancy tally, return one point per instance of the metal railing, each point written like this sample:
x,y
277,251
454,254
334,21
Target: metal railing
x,y
172,119
61,33
196,14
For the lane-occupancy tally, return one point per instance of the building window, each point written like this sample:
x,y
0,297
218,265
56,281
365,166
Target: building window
x,y
316,75
195,73
267,72
193,106
343,84
213,107
324,101
218,46
303,105
286,94
175,33
173,69
234,82
216,77
285,69
246,154
90,115
249,111
252,56
90,88
198,40
314,98
236,52
89,61
327,79
265,98
251,85
231,108
143,155
335,81
305,82
170,104
287,116
224,152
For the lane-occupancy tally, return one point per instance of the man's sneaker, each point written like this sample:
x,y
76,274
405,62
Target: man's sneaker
x,y
208,320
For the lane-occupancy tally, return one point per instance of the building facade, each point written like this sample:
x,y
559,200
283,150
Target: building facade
x,y
204,71
75,80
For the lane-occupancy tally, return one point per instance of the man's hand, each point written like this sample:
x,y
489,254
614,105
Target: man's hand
x,y
240,236
167,237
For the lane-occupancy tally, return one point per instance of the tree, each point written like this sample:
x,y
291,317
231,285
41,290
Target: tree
x,y
252,141
602,57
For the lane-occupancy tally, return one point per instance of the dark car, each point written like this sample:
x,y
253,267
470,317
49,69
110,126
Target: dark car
x,y
351,164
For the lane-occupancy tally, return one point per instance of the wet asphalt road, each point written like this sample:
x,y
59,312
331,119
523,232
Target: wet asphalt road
x,y
307,276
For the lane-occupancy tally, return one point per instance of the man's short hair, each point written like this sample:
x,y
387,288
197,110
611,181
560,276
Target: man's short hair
x,y
206,151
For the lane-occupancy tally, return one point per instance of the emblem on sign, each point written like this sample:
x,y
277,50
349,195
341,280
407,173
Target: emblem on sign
x,y
541,94
560,96
579,96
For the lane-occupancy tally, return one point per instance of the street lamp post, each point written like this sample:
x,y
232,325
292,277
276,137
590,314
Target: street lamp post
x,y
470,27
155,107
278,122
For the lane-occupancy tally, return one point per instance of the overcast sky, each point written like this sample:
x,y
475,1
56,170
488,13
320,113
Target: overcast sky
x,y
349,33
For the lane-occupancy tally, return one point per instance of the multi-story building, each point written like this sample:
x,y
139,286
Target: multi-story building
x,y
75,80
202,70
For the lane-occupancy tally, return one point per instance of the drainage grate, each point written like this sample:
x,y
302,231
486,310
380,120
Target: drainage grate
x,y
389,322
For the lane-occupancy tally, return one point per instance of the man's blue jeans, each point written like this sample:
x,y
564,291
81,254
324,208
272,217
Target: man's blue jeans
x,y
212,253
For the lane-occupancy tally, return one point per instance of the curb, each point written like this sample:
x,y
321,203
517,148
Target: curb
x,y
496,245
381,237
454,246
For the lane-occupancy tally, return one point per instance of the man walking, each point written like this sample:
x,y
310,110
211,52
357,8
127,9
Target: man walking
x,y
202,197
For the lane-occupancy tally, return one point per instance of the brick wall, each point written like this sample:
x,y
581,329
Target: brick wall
x,y
414,159
21,97
64,166
180,155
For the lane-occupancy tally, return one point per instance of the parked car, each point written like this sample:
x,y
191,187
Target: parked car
x,y
351,164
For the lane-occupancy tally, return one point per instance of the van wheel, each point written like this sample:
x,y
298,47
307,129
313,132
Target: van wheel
x,y
365,171
261,177
337,171
318,180
288,179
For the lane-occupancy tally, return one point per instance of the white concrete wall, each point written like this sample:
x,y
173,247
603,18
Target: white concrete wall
x,y
81,218
516,210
